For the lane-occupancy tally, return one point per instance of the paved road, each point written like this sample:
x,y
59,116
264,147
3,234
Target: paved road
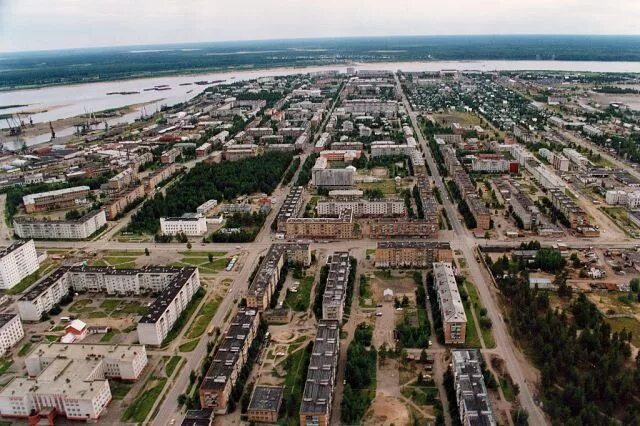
x,y
466,243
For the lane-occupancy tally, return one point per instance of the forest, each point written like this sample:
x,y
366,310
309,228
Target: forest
x,y
223,181
360,375
588,375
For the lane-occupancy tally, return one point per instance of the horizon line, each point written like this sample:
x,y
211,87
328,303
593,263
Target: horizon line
x,y
123,46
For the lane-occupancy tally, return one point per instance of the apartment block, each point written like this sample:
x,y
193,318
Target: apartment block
x,y
17,261
480,212
170,156
454,319
341,227
524,208
319,387
122,179
336,287
362,208
264,283
471,393
11,332
395,228
411,254
565,204
324,177
78,229
122,200
291,207
228,361
58,199
72,379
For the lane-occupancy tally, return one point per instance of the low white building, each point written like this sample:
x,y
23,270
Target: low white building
x,y
17,261
78,229
73,379
188,224
207,207
11,331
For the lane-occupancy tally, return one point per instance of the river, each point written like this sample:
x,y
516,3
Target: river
x,y
58,102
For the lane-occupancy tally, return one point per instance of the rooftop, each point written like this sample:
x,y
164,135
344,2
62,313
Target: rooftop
x,y
12,247
266,398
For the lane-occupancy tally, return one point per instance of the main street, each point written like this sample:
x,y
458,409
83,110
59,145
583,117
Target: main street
x,y
464,242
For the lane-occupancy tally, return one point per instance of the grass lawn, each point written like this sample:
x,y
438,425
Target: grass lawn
x,y
384,275
97,314
110,304
24,350
125,253
204,317
108,336
184,316
51,338
189,346
119,389
620,218
115,260
82,306
99,262
387,186
630,324
472,339
300,301
172,364
204,254
4,365
487,335
128,265
507,389
30,279
140,408
294,380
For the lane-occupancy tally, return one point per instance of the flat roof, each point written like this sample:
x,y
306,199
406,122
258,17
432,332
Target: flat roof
x,y
266,398
13,247
31,198
5,318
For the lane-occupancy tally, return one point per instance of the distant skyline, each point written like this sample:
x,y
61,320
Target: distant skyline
x,y
62,24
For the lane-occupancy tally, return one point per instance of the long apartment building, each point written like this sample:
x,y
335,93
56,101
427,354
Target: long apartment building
x,y
317,396
77,229
17,261
120,201
175,285
230,357
58,199
411,254
454,319
524,208
335,290
398,228
264,283
290,207
322,176
362,208
11,332
72,379
341,227
480,212
471,393
565,204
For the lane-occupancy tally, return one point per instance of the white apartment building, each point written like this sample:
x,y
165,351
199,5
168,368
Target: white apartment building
x,y
188,224
630,199
520,154
360,208
11,331
78,229
17,261
389,148
575,157
73,379
175,285
591,130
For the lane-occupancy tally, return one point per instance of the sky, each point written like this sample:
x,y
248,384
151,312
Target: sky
x,y
60,24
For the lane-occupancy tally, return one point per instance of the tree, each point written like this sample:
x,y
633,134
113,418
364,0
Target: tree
x,y
146,251
635,285
423,356
189,246
210,256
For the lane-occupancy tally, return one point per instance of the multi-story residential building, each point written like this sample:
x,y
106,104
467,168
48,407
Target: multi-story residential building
x,y
630,199
175,285
480,212
336,287
362,208
411,254
340,155
341,227
575,157
290,207
203,150
346,194
371,107
389,148
122,179
170,156
11,332
77,229
122,200
153,180
557,160
464,184
524,208
454,319
269,272
324,177
72,379
17,261
190,224
471,393
493,163
256,132
58,199
265,404
565,204
347,145
591,130
397,228
317,397
228,361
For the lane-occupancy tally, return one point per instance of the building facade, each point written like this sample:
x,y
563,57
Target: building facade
x,y
454,319
77,229
17,262
412,254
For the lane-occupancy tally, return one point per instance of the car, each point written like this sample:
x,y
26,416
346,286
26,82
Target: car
x,y
379,305
399,309
430,343
378,314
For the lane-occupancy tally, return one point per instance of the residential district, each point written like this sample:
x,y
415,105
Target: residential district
x,y
339,247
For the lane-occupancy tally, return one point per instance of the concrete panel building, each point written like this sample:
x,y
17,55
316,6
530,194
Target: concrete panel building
x,y
11,331
335,290
78,229
291,207
324,177
454,319
58,199
17,261
362,208
411,254
341,227
471,393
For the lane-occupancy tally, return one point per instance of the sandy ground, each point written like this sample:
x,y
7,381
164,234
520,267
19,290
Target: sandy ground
x,y
387,411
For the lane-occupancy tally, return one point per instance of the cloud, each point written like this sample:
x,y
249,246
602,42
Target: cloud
x,y
46,24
